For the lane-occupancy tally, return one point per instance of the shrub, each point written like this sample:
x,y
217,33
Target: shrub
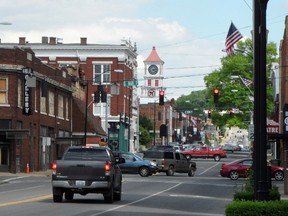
x,y
257,208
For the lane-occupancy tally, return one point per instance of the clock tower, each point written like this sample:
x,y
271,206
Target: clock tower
x,y
153,75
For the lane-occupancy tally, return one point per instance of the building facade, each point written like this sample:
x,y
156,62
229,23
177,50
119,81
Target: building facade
x,y
108,69
35,107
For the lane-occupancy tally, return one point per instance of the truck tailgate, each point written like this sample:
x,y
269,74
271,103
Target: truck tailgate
x,y
81,170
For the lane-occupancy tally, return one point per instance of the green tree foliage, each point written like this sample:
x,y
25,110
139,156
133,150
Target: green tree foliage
x,y
233,93
194,102
145,126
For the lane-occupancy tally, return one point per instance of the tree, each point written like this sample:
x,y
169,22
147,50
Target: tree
x,y
233,92
195,102
145,125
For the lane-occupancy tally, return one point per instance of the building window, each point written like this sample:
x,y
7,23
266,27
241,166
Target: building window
x,y
51,103
43,105
20,93
3,91
67,109
102,73
100,108
156,82
159,116
149,82
60,106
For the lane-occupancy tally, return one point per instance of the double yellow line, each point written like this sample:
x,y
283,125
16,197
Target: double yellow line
x,y
26,200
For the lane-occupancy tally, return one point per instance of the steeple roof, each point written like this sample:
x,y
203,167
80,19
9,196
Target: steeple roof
x,y
154,57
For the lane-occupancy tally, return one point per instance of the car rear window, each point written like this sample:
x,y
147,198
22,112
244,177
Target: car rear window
x,y
86,154
153,154
159,154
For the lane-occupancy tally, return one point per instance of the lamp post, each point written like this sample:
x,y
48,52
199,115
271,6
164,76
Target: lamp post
x,y
86,103
261,191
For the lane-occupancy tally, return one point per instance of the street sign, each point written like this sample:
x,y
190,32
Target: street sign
x,y
151,93
187,112
130,82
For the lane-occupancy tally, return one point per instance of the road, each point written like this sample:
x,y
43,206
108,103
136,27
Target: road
x,y
205,194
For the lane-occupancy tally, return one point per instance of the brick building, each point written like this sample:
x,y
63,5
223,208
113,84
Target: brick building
x,y
35,107
281,102
109,67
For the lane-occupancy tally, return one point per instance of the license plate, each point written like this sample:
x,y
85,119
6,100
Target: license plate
x,y
80,183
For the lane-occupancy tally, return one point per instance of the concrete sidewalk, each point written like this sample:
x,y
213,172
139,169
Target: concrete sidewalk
x,y
38,173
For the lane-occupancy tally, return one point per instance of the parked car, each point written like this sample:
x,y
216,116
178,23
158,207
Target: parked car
x,y
205,152
171,162
134,164
230,147
240,168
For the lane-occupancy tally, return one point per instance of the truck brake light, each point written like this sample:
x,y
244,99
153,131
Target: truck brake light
x,y
54,166
107,167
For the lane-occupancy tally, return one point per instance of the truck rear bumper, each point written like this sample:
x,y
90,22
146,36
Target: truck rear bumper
x,y
72,184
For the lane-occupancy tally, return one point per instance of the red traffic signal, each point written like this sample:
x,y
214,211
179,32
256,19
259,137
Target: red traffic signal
x,y
209,113
216,95
231,112
161,97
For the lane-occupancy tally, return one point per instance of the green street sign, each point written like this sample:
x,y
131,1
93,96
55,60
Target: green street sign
x,y
131,83
188,112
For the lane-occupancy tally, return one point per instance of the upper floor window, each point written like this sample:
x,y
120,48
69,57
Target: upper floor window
x,y
3,91
51,103
102,73
60,106
20,93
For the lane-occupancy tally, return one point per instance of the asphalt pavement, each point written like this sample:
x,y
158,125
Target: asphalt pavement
x,y
6,176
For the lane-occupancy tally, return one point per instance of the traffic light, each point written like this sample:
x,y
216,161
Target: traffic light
x,y
209,113
216,95
103,96
97,96
231,112
163,130
161,97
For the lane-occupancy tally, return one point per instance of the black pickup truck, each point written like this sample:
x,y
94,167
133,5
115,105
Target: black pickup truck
x,y
84,170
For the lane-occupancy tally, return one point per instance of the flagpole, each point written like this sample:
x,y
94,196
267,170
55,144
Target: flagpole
x,y
246,85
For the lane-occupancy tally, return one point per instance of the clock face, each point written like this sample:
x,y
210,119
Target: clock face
x,y
153,69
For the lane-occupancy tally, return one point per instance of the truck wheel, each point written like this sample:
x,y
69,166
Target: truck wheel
x,y
109,197
170,171
217,158
118,193
191,172
57,195
144,171
69,195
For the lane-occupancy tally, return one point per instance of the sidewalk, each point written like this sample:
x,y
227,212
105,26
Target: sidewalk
x,y
36,173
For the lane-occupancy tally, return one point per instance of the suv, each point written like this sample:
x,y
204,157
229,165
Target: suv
x,y
171,162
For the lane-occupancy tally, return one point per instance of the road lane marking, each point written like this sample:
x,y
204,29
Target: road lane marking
x,y
136,201
208,169
26,200
11,179
200,197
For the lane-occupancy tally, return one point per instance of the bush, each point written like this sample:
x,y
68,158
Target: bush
x,y
257,208
249,195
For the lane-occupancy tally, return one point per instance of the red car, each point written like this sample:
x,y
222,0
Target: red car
x,y
240,168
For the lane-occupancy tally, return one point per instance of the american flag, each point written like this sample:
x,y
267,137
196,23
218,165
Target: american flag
x,y
246,82
232,38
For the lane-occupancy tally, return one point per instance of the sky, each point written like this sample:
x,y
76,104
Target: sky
x,y
189,35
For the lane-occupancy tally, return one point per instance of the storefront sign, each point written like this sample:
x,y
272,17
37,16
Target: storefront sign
x,y
272,127
27,101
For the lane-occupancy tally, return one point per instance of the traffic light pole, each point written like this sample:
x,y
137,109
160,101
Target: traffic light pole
x,y
261,190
